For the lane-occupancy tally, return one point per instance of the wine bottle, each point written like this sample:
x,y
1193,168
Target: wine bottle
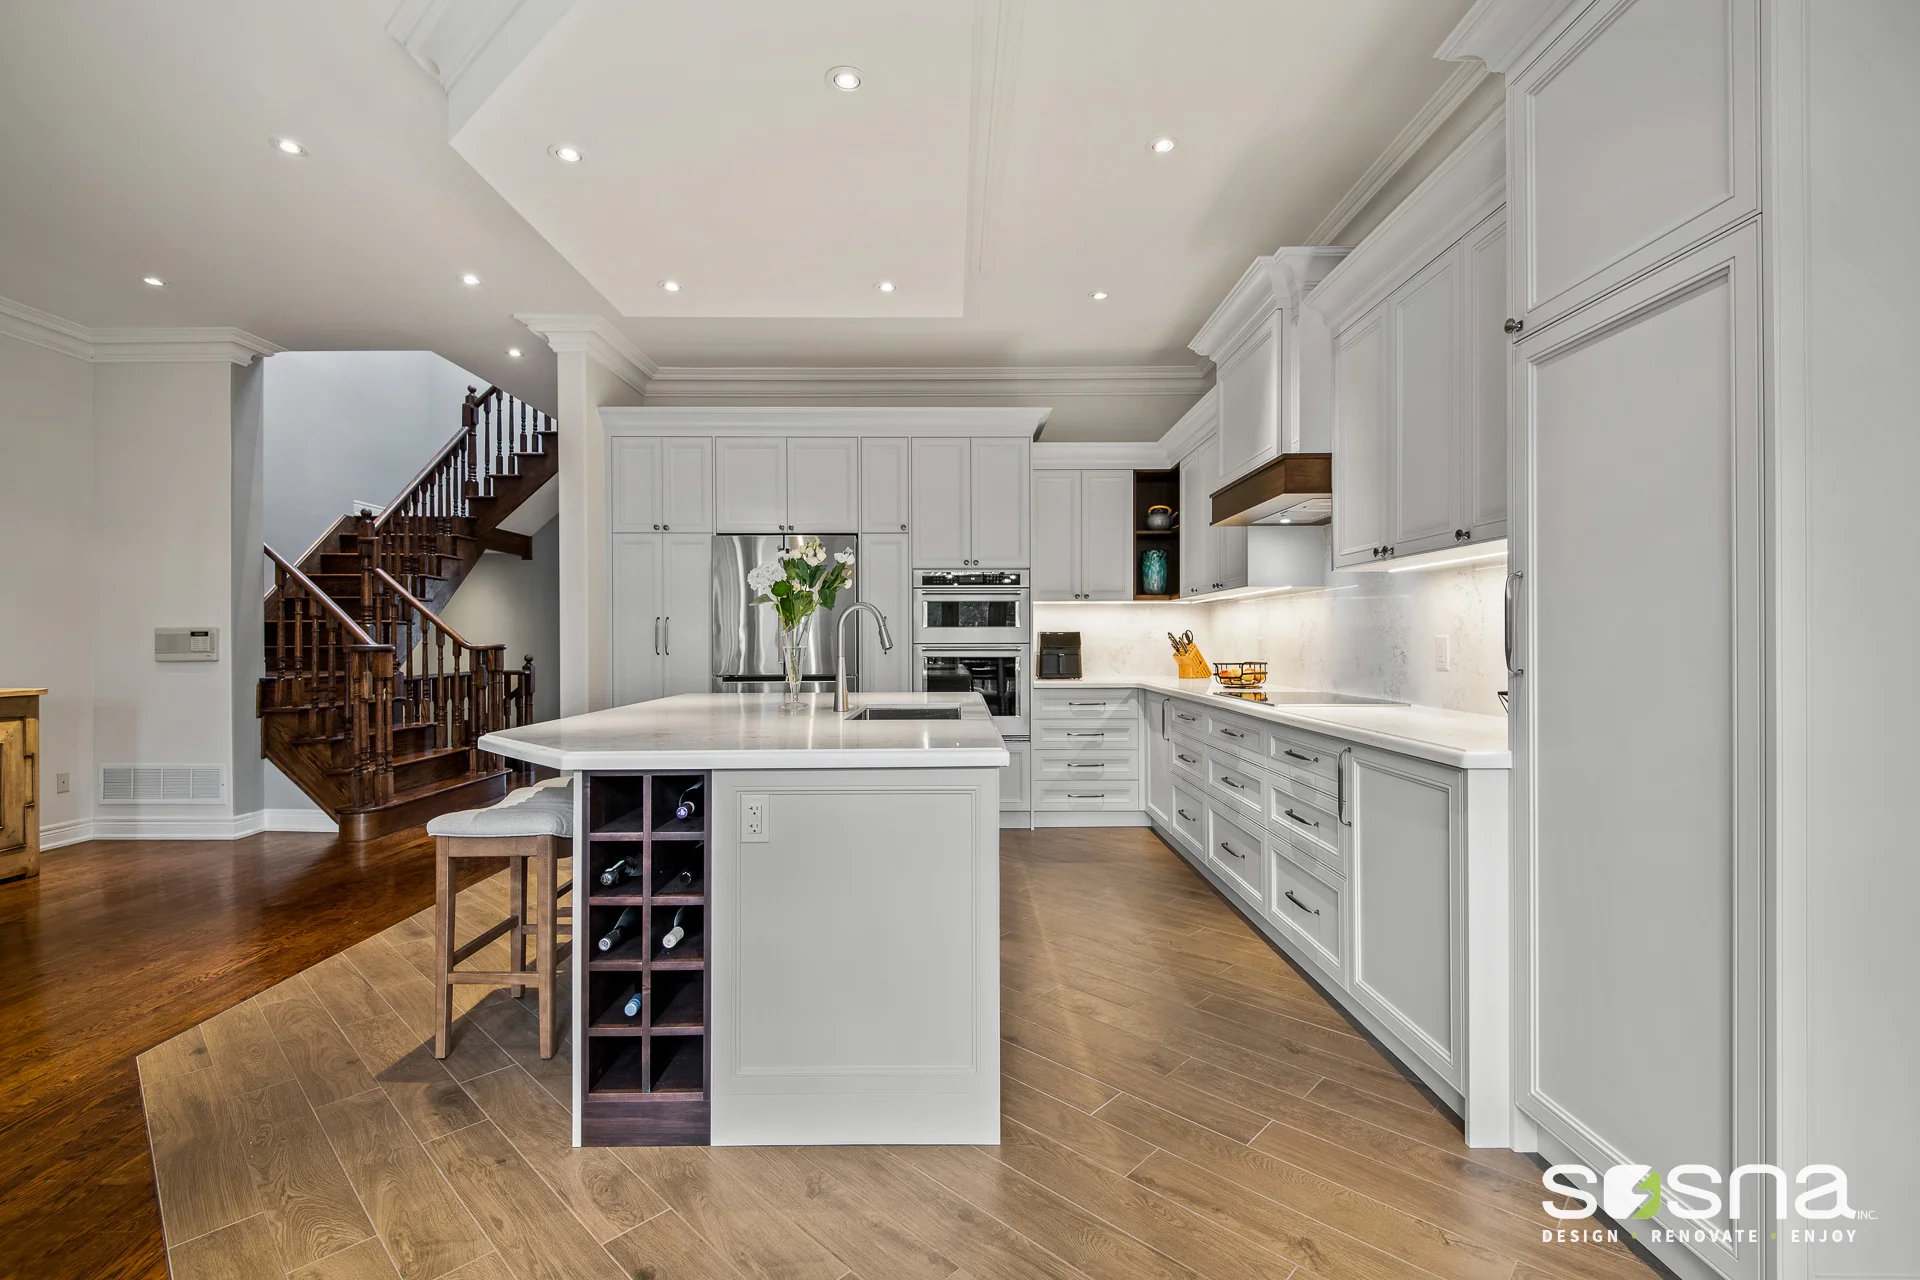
x,y
613,937
633,1004
614,874
674,935
689,804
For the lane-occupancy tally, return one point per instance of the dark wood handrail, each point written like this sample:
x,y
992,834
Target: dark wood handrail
x,y
414,602
361,640
407,490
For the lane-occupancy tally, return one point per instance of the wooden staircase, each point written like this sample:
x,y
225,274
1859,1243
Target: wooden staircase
x,y
371,703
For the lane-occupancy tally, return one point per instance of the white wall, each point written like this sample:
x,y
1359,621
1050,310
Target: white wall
x,y
515,602
46,600
1369,633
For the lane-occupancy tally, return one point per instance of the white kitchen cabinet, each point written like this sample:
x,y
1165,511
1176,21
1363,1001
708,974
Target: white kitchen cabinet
x,y
1483,483
823,484
660,484
1362,430
1249,378
1159,762
970,502
883,577
1212,558
1016,779
1407,879
659,613
1082,535
751,482
998,495
1425,395
885,487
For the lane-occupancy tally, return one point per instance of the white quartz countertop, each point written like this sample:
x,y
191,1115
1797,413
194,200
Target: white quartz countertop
x,y
749,731
1463,739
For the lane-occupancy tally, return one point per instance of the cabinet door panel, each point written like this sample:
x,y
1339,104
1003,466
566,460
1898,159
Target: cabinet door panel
x,y
637,607
942,467
883,577
687,607
1106,535
823,484
1056,535
686,499
634,501
1000,479
1196,505
1483,485
1426,408
751,481
1361,416
1229,555
884,491
1633,137
1249,401
1159,761
1016,779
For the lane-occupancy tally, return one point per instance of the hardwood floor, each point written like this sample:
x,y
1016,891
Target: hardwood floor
x,y
118,946
1178,1102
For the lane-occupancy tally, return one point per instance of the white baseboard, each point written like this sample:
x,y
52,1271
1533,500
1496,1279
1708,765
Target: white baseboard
x,y
1016,820
1092,818
153,827
58,835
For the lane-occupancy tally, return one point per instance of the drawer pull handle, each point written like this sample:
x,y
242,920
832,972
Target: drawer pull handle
x,y
1226,781
1086,766
1086,795
1184,758
1297,756
1305,822
1232,733
1086,704
1184,814
1085,733
1229,849
1181,715
1303,906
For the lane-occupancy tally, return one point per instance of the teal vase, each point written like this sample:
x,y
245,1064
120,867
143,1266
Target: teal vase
x,y
1153,572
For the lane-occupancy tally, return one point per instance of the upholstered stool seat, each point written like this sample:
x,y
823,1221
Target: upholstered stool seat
x,y
533,825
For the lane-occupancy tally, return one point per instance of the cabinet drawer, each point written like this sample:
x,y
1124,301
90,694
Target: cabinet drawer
x,y
1086,766
1236,735
1306,904
1236,854
1083,704
1190,818
1240,788
1058,797
1314,829
1307,760
1190,761
1187,719
1072,736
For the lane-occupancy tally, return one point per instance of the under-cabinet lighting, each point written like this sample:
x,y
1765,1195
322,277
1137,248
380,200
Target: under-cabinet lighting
x,y
845,79
287,147
1448,562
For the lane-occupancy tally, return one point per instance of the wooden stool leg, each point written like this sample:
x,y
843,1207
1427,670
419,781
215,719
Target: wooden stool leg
x,y
544,887
442,949
517,906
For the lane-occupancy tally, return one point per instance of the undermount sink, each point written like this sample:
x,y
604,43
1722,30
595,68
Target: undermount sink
x,y
905,713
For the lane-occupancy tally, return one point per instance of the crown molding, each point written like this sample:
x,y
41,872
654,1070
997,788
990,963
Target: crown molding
x,y
595,336
1426,122
1279,281
1146,455
1500,32
864,420
844,385
120,346
470,46
1192,428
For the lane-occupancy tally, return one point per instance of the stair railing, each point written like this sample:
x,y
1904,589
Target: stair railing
x,y
320,659
418,524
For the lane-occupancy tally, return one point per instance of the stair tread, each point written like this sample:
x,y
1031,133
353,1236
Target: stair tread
x,y
432,788
401,758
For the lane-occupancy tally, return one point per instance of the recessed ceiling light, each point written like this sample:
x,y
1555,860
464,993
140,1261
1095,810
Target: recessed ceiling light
x,y
570,155
469,279
1160,146
513,353
885,286
1098,295
155,281
671,286
846,79
287,146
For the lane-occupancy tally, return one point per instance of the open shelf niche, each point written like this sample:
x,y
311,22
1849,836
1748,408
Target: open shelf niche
x,y
1156,488
644,1075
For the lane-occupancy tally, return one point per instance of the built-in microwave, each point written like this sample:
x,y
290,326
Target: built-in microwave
x,y
971,607
997,673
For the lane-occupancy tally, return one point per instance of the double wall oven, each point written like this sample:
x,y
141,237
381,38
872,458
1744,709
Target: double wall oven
x,y
970,634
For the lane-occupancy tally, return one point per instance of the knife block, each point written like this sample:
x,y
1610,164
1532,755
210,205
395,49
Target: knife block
x,y
1192,665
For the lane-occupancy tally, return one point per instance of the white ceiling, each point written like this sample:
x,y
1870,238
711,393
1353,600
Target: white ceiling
x,y
995,163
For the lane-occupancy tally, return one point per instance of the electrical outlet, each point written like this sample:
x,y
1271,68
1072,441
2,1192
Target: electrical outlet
x,y
62,783
1443,653
753,819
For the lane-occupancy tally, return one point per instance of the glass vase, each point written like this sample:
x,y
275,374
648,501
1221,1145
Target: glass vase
x,y
793,645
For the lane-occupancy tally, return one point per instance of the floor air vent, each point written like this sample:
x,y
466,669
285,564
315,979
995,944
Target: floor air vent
x,y
162,784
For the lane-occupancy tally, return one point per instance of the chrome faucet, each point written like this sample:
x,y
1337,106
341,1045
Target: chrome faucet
x,y
840,673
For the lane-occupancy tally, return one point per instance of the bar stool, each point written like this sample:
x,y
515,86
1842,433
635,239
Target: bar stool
x,y
533,825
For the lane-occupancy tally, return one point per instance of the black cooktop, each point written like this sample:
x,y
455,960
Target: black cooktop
x,y
1304,698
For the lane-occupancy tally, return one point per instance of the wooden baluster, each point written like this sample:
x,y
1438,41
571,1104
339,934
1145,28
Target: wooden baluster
x,y
526,690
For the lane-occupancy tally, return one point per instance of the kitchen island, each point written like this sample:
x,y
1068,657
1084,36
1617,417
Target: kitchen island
x,y
834,878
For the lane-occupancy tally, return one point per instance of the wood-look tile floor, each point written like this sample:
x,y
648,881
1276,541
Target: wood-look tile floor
x,y
1177,1102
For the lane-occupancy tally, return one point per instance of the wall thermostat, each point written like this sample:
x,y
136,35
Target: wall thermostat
x,y
186,644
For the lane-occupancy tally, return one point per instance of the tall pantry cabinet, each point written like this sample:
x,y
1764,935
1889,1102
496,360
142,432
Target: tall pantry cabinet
x,y
1710,308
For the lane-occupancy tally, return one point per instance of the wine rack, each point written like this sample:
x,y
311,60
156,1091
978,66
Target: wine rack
x,y
644,1076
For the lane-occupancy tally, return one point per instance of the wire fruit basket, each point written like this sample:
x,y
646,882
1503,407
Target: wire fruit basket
x,y
1240,675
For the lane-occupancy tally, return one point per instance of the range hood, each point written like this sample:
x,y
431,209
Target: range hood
x,y
1294,488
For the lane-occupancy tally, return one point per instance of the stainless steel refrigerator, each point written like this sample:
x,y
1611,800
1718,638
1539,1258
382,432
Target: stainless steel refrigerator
x,y
746,636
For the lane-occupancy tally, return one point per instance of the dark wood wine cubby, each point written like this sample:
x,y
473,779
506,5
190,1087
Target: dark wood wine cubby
x,y
644,1078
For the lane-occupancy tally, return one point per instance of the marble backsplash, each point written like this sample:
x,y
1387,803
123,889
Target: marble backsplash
x,y
1371,633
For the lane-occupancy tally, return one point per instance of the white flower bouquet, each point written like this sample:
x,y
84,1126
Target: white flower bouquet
x,y
799,580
